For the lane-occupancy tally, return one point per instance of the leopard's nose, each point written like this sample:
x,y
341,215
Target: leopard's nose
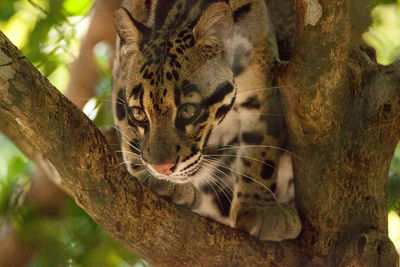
x,y
166,168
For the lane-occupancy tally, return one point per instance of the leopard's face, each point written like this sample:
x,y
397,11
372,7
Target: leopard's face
x,y
174,93
171,87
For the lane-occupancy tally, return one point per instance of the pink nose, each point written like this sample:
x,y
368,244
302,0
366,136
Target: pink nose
x,y
166,168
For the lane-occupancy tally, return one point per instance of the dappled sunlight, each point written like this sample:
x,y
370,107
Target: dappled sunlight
x,y
22,22
384,34
394,229
61,41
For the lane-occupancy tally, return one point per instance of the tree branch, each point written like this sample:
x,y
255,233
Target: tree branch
x,y
316,69
340,139
282,16
150,226
322,36
387,78
375,93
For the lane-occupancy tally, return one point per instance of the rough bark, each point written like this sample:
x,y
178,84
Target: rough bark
x,y
343,116
360,19
342,110
283,13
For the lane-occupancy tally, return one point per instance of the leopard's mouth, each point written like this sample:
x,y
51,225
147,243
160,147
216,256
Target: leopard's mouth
x,y
182,176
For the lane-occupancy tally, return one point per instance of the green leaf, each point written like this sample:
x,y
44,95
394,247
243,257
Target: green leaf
x,y
16,166
77,7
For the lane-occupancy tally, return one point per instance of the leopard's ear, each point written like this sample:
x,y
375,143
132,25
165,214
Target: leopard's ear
x,y
214,25
130,31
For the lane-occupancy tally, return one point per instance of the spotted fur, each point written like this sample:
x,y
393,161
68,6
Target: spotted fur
x,y
198,121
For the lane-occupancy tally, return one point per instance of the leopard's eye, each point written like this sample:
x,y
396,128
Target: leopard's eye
x,y
188,112
139,115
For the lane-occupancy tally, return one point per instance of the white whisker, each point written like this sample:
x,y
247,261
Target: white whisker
x,y
223,191
144,180
128,152
247,176
260,89
241,156
219,201
213,180
213,167
259,146
217,179
127,140
127,163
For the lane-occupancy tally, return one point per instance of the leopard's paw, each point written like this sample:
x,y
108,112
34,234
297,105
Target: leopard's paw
x,y
270,222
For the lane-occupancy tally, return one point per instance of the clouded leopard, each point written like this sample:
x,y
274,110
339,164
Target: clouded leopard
x,y
199,122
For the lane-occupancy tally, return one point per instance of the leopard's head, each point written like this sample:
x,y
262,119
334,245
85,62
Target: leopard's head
x,y
172,84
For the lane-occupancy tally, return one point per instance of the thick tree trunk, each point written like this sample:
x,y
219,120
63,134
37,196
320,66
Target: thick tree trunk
x,y
343,114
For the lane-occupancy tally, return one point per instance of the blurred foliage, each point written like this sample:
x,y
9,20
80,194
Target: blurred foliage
x,y
382,2
14,169
384,33
102,102
48,33
73,239
394,184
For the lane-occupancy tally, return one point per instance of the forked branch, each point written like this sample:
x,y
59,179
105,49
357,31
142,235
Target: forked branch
x,y
317,67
